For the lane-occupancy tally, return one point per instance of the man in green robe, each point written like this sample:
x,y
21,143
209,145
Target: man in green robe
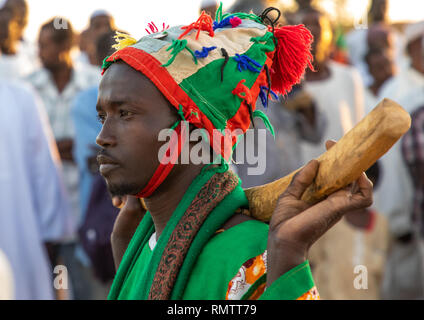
x,y
194,242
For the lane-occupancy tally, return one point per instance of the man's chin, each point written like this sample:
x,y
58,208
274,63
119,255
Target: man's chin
x,y
122,189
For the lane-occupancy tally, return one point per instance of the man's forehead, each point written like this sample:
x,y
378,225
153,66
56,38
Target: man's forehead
x,y
122,83
6,13
46,33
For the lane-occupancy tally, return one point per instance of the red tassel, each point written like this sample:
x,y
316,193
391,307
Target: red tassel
x,y
243,92
204,23
292,57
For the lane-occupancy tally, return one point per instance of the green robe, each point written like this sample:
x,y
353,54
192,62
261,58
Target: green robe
x,y
212,260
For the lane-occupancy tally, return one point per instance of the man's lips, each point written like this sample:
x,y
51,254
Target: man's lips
x,y
106,164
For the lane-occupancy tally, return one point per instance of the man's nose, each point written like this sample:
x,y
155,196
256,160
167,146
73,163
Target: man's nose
x,y
106,136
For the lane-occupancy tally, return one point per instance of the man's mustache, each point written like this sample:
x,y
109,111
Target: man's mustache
x,y
104,157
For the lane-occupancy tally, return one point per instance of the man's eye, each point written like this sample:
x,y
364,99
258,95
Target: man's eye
x,y
125,113
101,118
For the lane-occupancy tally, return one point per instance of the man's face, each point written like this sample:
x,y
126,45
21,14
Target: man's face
x,y
381,65
101,24
380,37
51,53
132,111
379,9
320,28
303,3
21,9
7,26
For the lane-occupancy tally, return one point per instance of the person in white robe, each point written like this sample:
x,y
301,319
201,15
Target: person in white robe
x,y
394,198
16,58
34,209
357,40
336,89
57,83
412,77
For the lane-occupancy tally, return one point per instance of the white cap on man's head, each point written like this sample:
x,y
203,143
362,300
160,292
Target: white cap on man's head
x,y
2,3
208,3
414,31
99,13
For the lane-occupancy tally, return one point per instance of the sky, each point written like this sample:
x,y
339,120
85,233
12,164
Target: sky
x,y
134,15
130,15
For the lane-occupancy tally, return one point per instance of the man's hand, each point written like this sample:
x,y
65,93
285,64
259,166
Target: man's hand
x,y
125,225
295,225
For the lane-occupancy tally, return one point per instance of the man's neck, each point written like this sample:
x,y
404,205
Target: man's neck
x,y
166,198
62,75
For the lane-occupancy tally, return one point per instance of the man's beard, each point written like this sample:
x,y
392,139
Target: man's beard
x,y
123,189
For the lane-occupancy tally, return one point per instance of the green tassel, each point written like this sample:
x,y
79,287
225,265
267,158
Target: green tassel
x,y
264,42
177,46
264,117
106,64
218,15
175,125
243,15
181,114
264,38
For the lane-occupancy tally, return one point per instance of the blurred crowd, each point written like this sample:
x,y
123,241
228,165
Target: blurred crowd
x,y
56,209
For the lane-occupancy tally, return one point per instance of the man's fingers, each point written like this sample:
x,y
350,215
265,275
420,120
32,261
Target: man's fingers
x,y
129,217
133,204
365,187
302,180
321,217
117,202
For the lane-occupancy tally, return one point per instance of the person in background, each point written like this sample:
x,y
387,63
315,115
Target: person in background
x,y
85,47
14,63
209,6
340,53
413,155
35,214
100,23
256,6
394,198
57,83
357,244
381,64
22,12
87,127
336,89
25,47
291,16
358,46
411,78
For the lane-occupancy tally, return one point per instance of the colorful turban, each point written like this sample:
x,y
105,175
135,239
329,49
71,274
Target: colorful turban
x,y
213,72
